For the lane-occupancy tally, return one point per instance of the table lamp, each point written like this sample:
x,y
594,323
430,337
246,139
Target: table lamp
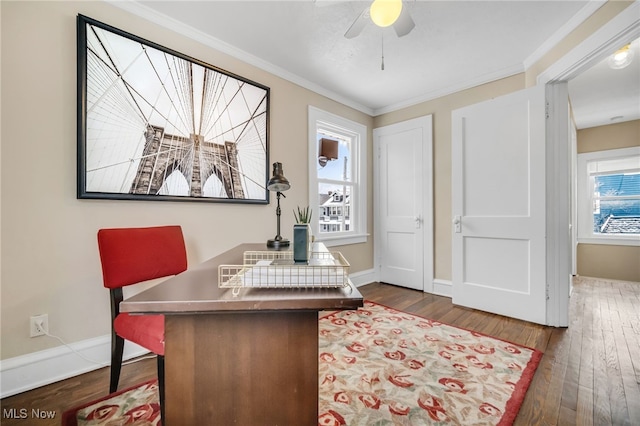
x,y
278,183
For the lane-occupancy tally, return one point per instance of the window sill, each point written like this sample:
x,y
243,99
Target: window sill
x,y
342,240
629,241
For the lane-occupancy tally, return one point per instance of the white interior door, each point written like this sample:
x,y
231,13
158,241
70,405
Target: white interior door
x,y
403,203
498,191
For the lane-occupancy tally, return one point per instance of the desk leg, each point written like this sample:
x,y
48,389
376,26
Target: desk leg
x,y
242,368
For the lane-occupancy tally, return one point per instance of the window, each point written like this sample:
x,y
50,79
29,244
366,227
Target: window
x,y
609,197
337,178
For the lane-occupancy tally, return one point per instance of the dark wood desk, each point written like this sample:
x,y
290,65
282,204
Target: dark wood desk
x,y
245,360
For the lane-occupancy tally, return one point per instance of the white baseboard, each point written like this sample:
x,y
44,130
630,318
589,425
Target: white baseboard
x,y
30,371
442,288
363,277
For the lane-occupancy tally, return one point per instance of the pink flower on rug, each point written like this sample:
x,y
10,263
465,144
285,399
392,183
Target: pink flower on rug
x,y
379,342
397,331
365,312
434,407
329,378
372,332
446,355
453,385
339,321
349,359
414,364
327,357
356,347
147,412
492,410
512,349
460,367
397,355
476,362
514,366
428,324
482,349
362,324
431,338
370,400
400,381
398,408
456,347
342,397
331,418
103,412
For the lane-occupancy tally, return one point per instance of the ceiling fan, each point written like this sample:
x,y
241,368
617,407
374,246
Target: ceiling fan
x,y
383,13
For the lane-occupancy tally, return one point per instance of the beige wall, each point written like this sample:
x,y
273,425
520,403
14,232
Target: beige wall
x,y
613,136
602,260
49,255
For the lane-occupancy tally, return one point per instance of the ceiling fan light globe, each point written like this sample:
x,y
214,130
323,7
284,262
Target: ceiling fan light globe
x,y
385,12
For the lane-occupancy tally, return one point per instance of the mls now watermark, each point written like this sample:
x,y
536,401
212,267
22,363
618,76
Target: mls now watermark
x,y
23,413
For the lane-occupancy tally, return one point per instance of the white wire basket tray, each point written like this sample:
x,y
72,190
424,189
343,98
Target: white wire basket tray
x,y
276,269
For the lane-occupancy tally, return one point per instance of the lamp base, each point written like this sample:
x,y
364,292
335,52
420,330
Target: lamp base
x,y
278,243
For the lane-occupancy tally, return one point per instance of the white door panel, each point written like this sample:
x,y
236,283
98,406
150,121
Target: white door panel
x,y
401,197
498,187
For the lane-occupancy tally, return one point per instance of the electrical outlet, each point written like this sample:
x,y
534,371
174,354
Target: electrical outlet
x,y
39,325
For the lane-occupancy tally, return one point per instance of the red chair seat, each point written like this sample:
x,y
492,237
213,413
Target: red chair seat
x,y
145,330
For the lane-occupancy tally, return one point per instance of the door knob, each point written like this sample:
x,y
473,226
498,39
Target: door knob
x,y
418,220
457,224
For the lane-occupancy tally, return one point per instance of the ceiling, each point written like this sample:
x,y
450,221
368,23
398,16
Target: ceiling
x,y
454,45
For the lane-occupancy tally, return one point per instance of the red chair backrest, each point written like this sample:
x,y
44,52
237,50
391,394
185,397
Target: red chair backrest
x,y
133,255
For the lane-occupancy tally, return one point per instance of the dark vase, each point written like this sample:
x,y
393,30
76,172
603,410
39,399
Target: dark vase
x,y
301,243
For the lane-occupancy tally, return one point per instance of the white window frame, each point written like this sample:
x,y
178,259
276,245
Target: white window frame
x,y
585,208
358,134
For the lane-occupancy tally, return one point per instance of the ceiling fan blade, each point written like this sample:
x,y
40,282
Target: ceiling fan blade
x,y
404,24
358,25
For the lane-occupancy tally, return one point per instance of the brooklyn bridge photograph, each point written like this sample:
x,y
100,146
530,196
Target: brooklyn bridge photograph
x,y
154,124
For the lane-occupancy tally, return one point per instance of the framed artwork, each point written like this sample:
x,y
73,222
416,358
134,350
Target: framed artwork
x,y
154,124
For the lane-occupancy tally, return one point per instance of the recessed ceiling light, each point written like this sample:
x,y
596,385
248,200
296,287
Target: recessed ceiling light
x,y
621,58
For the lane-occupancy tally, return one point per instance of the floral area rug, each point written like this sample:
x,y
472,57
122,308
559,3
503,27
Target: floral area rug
x,y
135,406
380,366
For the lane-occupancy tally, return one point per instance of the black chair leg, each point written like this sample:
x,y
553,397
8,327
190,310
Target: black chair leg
x,y
117,348
161,386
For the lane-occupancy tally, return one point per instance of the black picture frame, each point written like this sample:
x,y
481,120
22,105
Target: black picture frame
x,y
154,124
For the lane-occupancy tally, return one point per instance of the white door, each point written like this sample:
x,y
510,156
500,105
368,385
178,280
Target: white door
x,y
498,191
403,203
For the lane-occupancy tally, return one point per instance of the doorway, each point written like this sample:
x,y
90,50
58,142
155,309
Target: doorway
x,y
625,26
403,203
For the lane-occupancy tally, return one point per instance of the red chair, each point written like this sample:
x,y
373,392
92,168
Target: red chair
x,y
130,256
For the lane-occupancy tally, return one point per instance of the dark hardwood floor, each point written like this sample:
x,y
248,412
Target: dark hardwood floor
x,y
589,374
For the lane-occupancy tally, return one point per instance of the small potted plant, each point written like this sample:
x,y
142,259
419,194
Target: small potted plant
x,y
302,235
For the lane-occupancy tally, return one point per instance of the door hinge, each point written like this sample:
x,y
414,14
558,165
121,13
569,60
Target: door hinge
x,y
546,110
546,291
